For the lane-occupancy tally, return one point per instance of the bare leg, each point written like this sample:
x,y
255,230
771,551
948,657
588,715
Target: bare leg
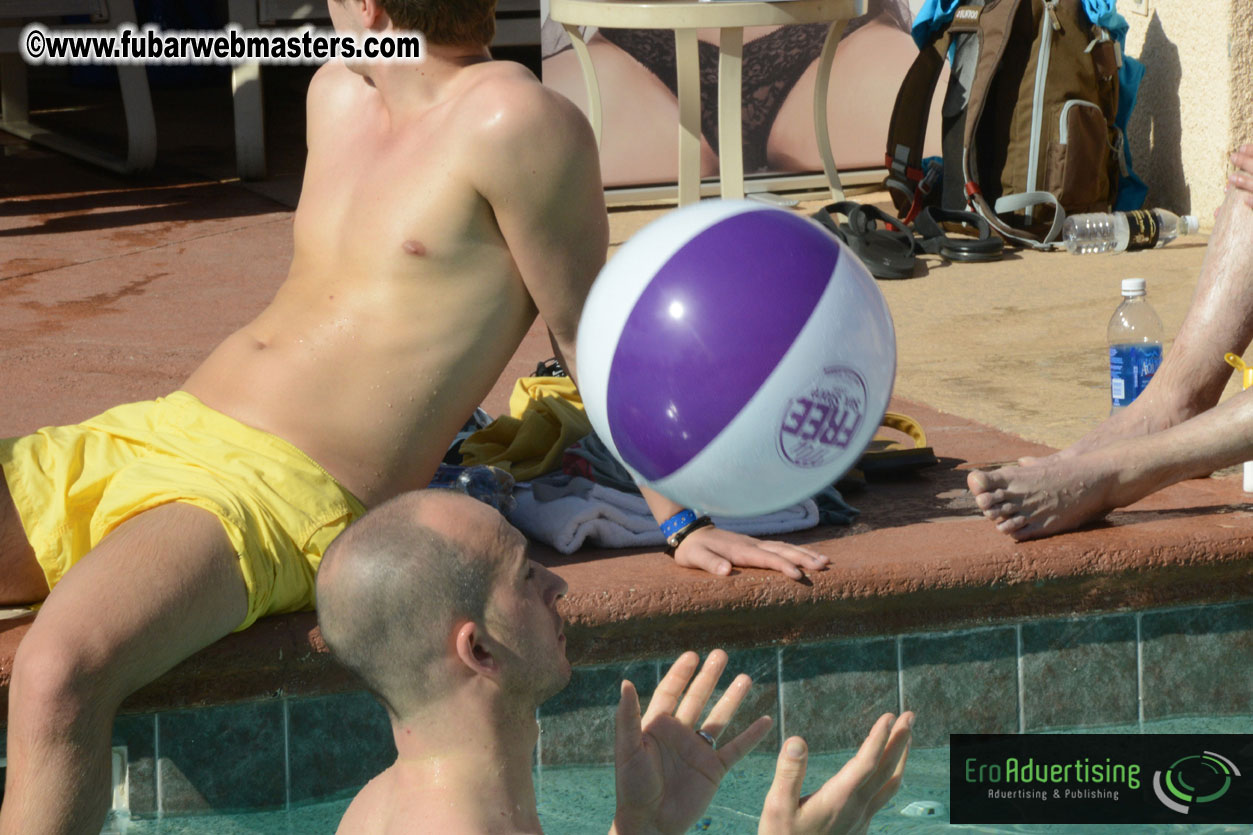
x,y
1058,495
160,587
1220,319
21,578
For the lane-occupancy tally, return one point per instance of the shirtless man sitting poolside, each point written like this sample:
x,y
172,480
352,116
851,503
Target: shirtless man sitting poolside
x,y
432,600
444,204
1174,430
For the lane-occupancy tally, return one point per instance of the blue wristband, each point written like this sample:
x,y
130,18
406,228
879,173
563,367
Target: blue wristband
x,y
678,522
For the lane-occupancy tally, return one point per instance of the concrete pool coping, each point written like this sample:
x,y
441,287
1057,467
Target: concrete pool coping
x,y
918,559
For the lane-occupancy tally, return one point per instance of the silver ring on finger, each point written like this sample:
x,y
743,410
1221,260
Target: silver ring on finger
x,y
708,737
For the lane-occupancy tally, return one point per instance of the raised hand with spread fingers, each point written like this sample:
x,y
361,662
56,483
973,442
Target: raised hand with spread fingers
x,y
667,765
845,803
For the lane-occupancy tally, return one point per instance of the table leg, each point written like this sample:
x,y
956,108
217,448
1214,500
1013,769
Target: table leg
x,y
246,95
730,113
14,104
687,65
589,78
821,130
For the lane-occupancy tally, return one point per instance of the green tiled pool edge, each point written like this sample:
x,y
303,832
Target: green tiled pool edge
x,y
1094,671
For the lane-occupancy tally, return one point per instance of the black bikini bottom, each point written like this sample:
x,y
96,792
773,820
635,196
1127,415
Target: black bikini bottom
x,y
771,67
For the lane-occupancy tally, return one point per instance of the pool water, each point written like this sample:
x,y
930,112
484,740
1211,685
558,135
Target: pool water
x,y
576,800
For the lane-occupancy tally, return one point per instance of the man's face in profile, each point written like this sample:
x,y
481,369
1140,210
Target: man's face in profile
x,y
522,615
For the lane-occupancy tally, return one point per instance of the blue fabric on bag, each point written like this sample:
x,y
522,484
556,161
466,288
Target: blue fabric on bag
x,y
1131,189
932,17
936,14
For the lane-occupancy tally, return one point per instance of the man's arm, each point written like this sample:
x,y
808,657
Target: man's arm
x,y
329,94
541,175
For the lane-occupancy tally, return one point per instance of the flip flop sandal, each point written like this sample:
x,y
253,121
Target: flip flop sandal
x,y
887,456
881,241
823,216
933,239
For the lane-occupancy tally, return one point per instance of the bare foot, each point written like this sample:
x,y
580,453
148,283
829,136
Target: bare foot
x,y
1052,496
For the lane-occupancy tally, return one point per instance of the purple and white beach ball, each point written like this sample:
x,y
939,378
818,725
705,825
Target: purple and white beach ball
x,y
736,357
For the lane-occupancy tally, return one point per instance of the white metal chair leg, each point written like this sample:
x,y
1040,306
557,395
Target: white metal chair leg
x,y
730,101
821,130
687,65
589,78
13,99
141,129
249,104
249,121
141,126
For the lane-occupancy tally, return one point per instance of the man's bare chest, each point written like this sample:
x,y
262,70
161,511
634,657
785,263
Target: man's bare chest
x,y
388,208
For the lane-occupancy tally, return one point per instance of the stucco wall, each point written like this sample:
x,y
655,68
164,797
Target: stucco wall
x,y
1241,71
1187,116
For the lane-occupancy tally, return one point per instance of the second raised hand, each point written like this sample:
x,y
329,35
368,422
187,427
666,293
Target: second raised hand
x,y
667,771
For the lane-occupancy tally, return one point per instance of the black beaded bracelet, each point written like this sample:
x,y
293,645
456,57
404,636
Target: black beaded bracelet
x,y
675,539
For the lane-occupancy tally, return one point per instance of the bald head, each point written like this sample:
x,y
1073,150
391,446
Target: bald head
x,y
392,586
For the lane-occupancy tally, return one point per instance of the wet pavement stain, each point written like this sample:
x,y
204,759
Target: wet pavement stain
x,y
147,238
16,284
92,305
17,267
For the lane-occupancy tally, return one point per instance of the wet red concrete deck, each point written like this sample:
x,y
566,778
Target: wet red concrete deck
x,y
112,290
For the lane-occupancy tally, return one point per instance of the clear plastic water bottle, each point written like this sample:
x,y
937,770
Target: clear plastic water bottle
x,y
1088,234
1135,345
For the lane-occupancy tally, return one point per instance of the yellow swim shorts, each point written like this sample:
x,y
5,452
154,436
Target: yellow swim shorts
x,y
72,485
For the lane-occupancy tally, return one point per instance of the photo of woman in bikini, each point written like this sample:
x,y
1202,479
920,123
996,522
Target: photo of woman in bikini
x,y
636,72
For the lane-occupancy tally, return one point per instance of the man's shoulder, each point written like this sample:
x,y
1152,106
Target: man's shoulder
x,y
329,88
509,104
368,812
330,76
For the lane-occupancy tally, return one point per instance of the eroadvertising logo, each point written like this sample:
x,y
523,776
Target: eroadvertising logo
x,y
1101,778
1210,772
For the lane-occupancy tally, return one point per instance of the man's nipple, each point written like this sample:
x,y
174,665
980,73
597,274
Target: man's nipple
x,y
414,247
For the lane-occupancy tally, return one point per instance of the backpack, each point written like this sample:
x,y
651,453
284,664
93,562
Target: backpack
x,y
1028,119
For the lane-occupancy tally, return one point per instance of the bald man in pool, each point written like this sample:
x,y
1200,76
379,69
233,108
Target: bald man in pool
x,y
444,204
433,601
1175,429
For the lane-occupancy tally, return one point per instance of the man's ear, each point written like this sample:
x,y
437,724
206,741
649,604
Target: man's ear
x,y
372,14
472,646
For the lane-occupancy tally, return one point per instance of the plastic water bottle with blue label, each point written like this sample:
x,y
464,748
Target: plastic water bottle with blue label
x,y
1135,345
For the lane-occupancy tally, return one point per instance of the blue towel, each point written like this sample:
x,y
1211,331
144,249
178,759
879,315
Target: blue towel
x,y
936,14
605,470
